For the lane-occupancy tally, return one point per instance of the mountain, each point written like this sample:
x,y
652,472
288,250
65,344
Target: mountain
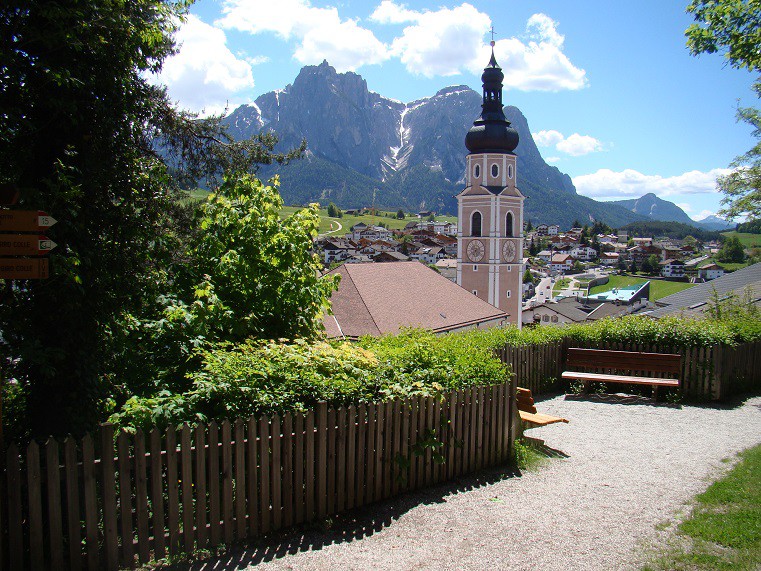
x,y
715,223
656,208
366,149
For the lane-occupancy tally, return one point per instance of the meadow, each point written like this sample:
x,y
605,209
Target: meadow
x,y
658,288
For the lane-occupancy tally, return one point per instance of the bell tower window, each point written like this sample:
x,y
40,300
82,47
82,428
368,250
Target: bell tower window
x,y
477,171
510,172
495,171
509,225
475,224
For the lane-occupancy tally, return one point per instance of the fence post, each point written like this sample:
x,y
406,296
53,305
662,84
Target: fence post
x,y
109,495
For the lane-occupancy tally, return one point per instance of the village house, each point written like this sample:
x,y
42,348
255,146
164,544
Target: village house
x,y
541,230
672,268
584,253
429,255
562,263
710,272
609,258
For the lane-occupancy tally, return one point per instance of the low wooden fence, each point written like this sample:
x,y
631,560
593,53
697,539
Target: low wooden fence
x,y
115,500
708,373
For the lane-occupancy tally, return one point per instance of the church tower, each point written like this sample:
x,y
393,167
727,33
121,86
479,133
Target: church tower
x,y
490,208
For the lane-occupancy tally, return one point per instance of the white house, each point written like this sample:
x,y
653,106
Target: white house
x,y
584,253
609,258
553,230
544,255
561,263
672,269
711,272
428,255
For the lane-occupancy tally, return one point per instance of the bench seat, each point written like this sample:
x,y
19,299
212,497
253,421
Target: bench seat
x,y
624,379
539,419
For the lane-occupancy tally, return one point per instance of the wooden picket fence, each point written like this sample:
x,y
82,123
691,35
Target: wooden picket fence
x,y
717,372
109,501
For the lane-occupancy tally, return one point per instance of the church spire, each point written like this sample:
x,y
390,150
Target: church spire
x,y
492,132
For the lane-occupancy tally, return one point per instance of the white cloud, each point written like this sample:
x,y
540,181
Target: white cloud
x,y
441,42
575,145
686,206
606,184
547,138
320,32
538,63
205,75
552,160
703,214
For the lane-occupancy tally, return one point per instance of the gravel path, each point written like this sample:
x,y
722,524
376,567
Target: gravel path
x,y
621,469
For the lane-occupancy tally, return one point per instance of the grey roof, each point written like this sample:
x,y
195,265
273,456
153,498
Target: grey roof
x,y
691,300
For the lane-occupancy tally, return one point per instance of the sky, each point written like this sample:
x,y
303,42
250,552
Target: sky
x,y
611,93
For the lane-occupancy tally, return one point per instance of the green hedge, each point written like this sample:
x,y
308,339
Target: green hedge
x,y
263,378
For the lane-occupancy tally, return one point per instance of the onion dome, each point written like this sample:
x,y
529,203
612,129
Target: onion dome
x,y
492,132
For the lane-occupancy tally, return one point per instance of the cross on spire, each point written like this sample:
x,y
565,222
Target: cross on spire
x,y
492,35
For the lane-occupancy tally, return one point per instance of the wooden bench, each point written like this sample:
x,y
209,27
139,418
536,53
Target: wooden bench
x,y
528,413
634,367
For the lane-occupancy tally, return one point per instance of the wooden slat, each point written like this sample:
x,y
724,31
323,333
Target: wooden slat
x,y
89,480
341,445
420,457
461,444
108,477
620,379
450,451
331,439
240,479
299,499
173,496
227,482
73,527
351,468
288,492
252,455
480,421
370,455
276,478
186,471
215,530
322,459
55,520
396,445
157,494
125,500
141,498
361,463
15,508
388,448
405,449
202,536
380,417
413,439
310,484
265,520
493,440
34,497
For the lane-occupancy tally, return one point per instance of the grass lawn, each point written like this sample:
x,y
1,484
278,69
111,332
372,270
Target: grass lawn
x,y
724,529
658,288
559,285
746,239
327,224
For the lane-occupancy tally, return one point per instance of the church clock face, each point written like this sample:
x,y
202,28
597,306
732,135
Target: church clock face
x,y
508,251
476,251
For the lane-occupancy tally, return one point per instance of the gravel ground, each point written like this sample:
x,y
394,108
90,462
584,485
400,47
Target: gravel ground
x,y
620,468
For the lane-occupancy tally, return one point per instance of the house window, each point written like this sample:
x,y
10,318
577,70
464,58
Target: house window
x,y
554,318
475,224
510,171
477,171
494,170
509,225
545,317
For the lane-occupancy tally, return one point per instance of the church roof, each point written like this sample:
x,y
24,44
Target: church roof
x,y
374,299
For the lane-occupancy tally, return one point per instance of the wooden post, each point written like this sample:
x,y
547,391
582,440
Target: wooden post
x,y
108,471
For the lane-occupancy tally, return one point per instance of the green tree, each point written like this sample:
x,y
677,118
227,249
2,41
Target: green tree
x,y
334,211
654,264
731,250
400,214
528,277
88,138
431,217
733,28
529,226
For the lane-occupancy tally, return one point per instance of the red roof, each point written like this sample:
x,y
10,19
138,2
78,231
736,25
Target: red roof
x,y
374,299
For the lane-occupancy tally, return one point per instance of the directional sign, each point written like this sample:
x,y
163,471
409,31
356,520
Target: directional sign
x,y
25,245
24,268
25,220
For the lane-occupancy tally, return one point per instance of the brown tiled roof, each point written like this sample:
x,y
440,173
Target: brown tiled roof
x,y
374,299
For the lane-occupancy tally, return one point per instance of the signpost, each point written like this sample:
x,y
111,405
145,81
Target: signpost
x,y
24,268
25,245
25,220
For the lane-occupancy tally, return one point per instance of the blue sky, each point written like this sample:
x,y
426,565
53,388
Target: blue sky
x,y
608,87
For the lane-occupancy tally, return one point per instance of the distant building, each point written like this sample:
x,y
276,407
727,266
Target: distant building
x,y
711,272
562,263
672,268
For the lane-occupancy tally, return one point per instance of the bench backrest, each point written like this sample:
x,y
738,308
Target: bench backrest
x,y
624,360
